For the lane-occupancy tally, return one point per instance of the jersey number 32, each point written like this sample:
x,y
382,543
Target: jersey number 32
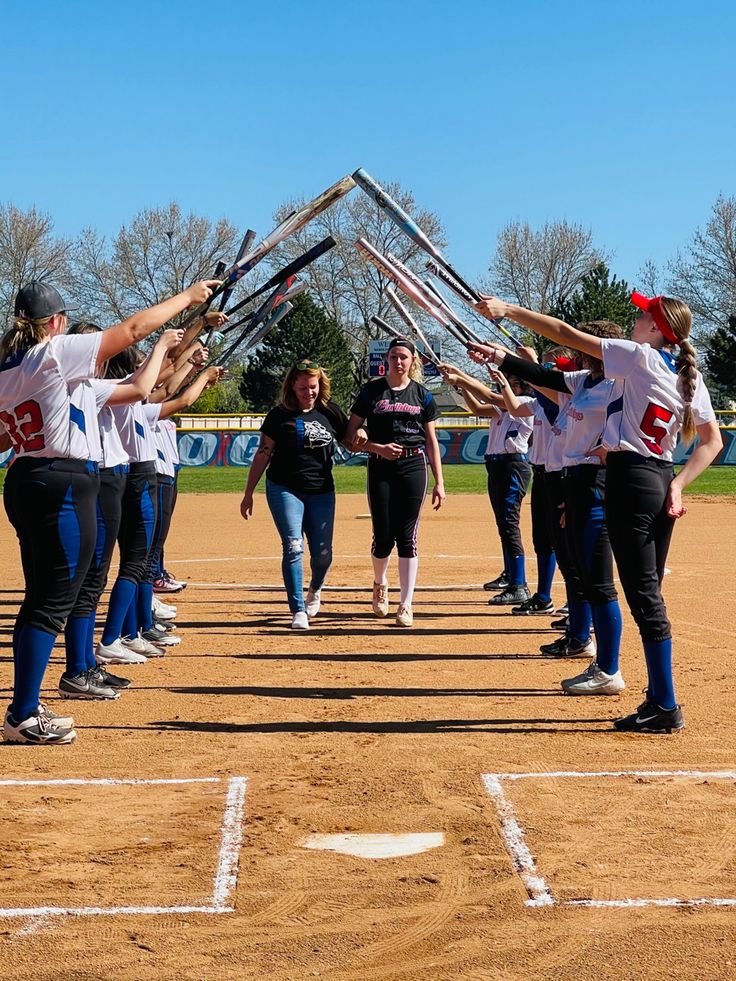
x,y
25,427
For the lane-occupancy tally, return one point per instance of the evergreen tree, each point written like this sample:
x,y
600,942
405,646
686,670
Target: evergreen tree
x,y
307,332
598,297
720,362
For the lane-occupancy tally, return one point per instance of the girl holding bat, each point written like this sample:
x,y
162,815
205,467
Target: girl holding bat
x,y
657,394
399,413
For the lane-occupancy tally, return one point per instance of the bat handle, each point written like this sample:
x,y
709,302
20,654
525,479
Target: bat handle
x,y
219,270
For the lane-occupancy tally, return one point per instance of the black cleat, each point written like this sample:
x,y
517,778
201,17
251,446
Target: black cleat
x,y
512,595
500,582
104,677
534,605
561,624
558,648
649,717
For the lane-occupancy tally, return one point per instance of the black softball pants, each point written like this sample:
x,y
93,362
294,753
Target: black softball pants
x,y
586,532
109,510
51,505
508,482
641,532
396,492
165,491
541,532
138,521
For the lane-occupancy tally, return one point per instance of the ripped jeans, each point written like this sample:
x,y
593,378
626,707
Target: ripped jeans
x,y
295,516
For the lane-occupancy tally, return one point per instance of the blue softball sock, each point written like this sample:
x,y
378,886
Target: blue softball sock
x,y
546,566
580,619
658,654
34,651
145,605
516,570
608,625
91,620
121,597
75,637
130,623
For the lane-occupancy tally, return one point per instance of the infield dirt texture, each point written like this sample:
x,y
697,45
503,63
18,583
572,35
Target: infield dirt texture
x,y
360,727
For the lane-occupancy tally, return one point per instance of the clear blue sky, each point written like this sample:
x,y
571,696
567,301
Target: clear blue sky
x,y
616,115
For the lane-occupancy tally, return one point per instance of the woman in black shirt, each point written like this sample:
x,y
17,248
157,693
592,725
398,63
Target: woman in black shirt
x,y
298,439
400,415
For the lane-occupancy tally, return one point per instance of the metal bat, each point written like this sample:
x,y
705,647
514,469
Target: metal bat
x,y
293,223
406,317
421,297
460,292
248,240
399,217
460,324
392,332
291,270
293,288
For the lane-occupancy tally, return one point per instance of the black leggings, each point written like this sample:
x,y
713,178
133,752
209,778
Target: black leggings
x,y
586,532
396,492
541,531
508,482
555,501
641,532
109,511
140,505
165,492
51,505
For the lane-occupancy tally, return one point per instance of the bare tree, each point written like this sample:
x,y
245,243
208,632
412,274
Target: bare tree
x,y
542,269
649,278
29,250
705,274
160,253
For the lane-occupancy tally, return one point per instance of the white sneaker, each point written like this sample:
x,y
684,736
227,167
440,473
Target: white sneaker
x,y
163,611
300,621
141,646
60,721
117,653
380,599
404,616
593,681
37,730
314,601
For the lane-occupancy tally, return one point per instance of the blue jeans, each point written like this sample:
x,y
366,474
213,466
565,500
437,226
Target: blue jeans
x,y
296,515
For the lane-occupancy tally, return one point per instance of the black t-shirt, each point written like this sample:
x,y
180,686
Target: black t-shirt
x,y
304,447
395,417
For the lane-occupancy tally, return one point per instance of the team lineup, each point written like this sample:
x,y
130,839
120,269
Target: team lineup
x,y
593,427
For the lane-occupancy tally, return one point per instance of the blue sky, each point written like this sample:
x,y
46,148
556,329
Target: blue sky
x,y
619,116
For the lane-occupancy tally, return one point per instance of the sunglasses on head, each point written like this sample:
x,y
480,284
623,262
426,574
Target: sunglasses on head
x,y
306,365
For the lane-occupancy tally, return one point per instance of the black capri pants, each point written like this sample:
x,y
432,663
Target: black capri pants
x,y
555,501
113,481
396,492
138,522
51,505
165,490
541,531
508,482
586,532
641,532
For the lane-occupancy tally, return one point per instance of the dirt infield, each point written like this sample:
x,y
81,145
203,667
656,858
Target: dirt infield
x,y
360,727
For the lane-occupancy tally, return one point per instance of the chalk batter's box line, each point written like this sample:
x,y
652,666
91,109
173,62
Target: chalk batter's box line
x,y
524,863
226,874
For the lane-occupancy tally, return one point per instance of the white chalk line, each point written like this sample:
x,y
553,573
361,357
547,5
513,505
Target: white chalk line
x,y
536,887
226,876
525,865
265,587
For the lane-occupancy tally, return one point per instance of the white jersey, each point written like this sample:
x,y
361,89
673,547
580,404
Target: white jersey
x,y
87,399
168,437
507,434
558,436
545,414
586,416
164,464
36,406
113,454
135,433
647,415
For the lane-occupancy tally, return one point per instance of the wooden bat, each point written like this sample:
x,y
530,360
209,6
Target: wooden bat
x,y
397,214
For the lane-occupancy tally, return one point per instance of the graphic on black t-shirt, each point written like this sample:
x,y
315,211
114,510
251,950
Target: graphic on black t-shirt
x,y
396,416
316,435
304,444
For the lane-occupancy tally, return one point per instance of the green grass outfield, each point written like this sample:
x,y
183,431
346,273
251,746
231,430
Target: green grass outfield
x,y
459,479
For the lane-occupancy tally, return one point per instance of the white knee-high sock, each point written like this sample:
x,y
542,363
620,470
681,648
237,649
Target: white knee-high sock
x,y
380,566
408,579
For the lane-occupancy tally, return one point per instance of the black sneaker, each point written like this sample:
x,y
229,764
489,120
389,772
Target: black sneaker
x,y
649,717
534,605
562,609
107,680
500,582
85,685
561,624
512,595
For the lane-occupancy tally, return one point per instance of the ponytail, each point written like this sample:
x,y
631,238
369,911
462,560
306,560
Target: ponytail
x,y
416,372
680,320
23,335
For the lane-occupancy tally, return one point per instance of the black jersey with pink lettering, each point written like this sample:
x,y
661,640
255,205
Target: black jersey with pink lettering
x,y
396,416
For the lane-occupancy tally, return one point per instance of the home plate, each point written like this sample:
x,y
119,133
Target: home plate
x,y
376,846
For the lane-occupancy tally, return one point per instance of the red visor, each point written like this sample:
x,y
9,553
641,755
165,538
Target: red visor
x,y
567,364
654,307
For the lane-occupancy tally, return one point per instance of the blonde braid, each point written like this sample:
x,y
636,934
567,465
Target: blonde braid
x,y
24,334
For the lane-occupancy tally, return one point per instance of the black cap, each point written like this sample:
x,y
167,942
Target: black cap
x,y
37,300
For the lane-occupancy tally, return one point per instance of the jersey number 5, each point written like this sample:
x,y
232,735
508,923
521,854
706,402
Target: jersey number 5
x,y
25,427
654,426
